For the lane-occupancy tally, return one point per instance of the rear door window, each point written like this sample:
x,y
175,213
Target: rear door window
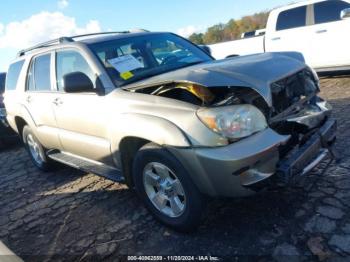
x,y
39,77
329,11
291,18
13,74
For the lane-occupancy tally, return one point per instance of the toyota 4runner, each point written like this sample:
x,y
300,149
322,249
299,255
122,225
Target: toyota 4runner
x,y
158,112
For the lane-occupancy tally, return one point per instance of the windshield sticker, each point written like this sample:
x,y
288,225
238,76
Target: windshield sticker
x,y
126,75
125,63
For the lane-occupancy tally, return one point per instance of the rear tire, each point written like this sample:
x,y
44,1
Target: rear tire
x,y
166,189
35,150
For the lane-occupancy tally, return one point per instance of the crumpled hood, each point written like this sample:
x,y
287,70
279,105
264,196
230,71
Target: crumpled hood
x,y
254,71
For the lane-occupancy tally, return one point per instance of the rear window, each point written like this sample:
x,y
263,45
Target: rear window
x,y
2,82
13,74
249,34
329,11
291,18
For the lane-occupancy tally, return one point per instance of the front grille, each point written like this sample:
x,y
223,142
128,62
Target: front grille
x,y
291,89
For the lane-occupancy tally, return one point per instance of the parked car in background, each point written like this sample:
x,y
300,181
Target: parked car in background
x,y
158,112
7,135
317,29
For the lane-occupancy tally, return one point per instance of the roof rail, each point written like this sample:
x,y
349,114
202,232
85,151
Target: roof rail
x,y
46,44
66,39
101,33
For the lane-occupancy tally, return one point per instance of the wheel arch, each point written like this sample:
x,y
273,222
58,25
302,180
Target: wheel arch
x,y
128,148
136,130
20,124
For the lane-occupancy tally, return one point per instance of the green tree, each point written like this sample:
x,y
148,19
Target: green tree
x,y
197,38
214,34
231,30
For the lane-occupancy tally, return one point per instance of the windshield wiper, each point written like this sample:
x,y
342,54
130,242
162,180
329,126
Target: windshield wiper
x,y
190,64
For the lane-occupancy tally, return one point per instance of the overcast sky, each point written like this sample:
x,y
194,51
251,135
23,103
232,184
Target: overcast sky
x,y
24,23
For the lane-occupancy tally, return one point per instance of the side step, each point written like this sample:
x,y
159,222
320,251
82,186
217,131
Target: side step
x,y
88,166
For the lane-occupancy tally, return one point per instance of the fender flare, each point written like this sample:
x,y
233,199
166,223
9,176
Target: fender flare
x,y
151,128
24,114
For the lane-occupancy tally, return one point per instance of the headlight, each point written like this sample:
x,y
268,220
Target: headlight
x,y
233,122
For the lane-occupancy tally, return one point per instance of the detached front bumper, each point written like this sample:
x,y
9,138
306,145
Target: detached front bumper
x,y
235,170
303,159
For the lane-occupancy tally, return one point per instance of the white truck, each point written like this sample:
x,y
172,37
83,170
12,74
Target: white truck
x,y
318,29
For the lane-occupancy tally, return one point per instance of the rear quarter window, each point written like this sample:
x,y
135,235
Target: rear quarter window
x,y
291,18
13,74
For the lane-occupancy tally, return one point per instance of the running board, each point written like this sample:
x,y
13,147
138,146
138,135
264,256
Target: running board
x,y
88,166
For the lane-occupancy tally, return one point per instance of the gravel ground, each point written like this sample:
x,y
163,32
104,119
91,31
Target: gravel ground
x,y
70,215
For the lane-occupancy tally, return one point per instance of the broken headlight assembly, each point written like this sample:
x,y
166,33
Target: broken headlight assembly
x,y
233,122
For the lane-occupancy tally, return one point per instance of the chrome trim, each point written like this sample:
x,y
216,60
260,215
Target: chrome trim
x,y
323,153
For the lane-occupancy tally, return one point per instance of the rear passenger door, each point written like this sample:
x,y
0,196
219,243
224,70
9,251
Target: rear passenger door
x,y
39,98
330,35
291,32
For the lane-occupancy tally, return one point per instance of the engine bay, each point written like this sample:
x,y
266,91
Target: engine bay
x,y
296,109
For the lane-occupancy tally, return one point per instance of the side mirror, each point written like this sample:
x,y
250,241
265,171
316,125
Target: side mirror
x,y
345,14
205,48
77,82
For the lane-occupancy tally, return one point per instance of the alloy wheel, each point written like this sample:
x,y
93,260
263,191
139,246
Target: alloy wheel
x,y
34,149
164,189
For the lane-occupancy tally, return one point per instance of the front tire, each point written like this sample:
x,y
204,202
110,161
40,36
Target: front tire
x,y
35,150
166,189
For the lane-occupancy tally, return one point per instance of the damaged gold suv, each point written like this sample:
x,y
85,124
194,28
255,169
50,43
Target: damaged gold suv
x,y
158,112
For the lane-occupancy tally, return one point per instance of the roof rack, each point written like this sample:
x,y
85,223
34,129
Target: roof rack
x,y
66,39
46,44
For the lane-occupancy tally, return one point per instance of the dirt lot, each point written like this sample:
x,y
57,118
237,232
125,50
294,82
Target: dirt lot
x,y
69,215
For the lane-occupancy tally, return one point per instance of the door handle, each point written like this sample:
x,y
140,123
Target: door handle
x,y
57,101
276,38
321,31
29,99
